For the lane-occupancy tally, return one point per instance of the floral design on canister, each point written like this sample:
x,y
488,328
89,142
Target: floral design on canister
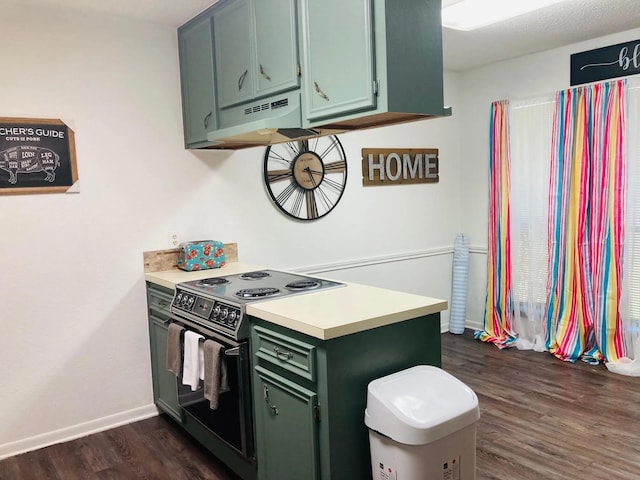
x,y
201,255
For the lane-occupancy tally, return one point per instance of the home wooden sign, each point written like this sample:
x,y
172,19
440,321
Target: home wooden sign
x,y
395,166
36,156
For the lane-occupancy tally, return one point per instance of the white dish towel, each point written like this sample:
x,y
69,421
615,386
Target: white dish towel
x,y
193,364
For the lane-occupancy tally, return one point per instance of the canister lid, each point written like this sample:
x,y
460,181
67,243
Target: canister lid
x,y
420,405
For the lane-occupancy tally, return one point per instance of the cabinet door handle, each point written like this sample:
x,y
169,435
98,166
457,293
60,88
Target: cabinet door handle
x,y
264,74
265,390
320,92
282,354
206,120
241,79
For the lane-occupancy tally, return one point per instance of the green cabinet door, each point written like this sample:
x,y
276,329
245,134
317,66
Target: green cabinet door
x,y
256,49
232,26
165,391
276,46
286,428
337,52
195,45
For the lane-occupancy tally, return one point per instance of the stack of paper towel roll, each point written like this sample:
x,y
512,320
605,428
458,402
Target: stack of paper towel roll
x,y
459,284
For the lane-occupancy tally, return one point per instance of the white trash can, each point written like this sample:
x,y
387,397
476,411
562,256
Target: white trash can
x,y
422,426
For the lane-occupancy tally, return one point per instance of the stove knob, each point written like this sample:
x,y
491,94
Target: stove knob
x,y
178,298
225,313
232,318
216,311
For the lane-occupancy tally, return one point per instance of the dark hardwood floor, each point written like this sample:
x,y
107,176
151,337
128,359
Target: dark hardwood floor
x,y
153,449
544,419
541,419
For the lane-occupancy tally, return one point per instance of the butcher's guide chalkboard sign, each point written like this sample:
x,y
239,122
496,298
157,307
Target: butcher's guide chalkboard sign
x,y
36,156
614,61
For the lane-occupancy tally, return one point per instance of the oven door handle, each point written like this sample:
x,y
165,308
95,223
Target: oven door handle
x,y
232,352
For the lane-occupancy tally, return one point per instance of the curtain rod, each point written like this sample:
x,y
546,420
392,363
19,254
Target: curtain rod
x,y
633,84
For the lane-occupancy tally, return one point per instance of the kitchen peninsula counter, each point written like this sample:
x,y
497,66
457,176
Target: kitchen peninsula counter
x,y
324,314
312,358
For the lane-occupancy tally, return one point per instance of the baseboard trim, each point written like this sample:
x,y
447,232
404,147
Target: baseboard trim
x,y
77,431
469,325
474,325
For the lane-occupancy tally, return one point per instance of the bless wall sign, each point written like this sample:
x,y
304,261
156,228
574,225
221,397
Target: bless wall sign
x,y
393,166
608,62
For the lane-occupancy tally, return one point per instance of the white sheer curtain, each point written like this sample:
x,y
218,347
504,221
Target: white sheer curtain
x,y
531,124
630,300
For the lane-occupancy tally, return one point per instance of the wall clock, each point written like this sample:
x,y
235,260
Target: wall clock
x,y
305,179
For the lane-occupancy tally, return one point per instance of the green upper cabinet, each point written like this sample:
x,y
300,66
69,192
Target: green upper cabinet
x,y
278,68
256,49
338,57
233,41
368,63
195,44
276,46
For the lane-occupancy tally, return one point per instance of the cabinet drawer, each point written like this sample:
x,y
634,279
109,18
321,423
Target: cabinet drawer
x,y
292,355
159,301
161,322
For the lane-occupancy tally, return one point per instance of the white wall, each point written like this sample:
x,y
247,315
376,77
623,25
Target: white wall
x,y
74,351
520,78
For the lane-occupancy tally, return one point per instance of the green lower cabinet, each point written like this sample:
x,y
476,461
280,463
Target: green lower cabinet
x,y
285,453
295,373
165,390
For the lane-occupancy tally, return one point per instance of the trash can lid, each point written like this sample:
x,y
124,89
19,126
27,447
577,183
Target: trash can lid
x,y
420,405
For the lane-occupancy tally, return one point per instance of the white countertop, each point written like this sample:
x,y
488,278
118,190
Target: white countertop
x,y
324,314
340,311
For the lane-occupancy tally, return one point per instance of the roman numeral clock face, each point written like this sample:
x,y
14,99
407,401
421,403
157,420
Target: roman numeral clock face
x,y
306,179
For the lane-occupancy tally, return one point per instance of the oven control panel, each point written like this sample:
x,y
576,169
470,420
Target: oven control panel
x,y
220,313
226,315
185,301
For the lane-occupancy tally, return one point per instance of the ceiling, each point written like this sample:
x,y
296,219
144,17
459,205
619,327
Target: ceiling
x,y
554,26
557,25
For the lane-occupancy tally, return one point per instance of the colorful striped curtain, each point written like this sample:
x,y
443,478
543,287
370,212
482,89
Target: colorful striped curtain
x,y
498,316
586,217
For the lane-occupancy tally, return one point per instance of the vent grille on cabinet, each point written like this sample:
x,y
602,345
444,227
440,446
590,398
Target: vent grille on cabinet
x,y
266,106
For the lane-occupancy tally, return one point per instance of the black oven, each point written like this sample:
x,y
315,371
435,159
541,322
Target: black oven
x,y
215,308
232,421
